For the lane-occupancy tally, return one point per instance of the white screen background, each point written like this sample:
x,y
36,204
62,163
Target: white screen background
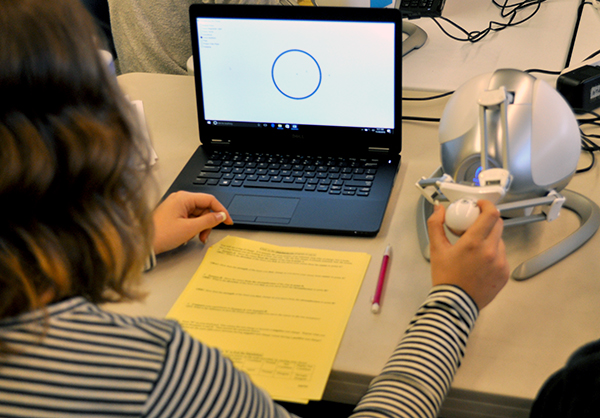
x,y
356,61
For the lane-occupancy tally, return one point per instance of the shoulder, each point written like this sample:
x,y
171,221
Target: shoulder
x,y
80,315
572,392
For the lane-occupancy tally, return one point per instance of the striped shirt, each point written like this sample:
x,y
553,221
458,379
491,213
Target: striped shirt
x,y
416,378
76,360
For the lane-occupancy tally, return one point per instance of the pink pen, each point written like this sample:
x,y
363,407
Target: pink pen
x,y
377,297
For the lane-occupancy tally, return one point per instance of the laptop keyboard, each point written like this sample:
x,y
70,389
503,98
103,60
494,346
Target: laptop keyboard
x,y
332,175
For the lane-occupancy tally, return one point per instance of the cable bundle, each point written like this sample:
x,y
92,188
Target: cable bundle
x,y
507,11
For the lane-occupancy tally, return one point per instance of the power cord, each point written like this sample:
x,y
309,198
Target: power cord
x,y
419,99
419,119
439,96
509,11
537,70
587,140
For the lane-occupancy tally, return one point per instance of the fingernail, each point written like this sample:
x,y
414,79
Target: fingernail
x,y
221,216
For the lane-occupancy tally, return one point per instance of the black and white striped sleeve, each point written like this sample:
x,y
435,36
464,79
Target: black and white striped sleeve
x,y
198,381
417,376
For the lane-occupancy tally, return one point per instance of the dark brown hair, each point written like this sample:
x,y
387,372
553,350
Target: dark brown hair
x,y
72,167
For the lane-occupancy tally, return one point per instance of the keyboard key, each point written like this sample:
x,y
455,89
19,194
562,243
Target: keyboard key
x,y
355,183
209,175
269,185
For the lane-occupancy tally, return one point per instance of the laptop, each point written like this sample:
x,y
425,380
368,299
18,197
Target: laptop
x,y
299,113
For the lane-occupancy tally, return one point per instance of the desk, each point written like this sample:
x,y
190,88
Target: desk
x,y
443,64
520,339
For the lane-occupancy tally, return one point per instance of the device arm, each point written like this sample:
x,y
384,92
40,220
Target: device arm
x,y
589,214
584,208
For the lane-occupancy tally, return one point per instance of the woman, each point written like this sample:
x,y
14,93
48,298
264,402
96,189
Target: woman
x,y
78,231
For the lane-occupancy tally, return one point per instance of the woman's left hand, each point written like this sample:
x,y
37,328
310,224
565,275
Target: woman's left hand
x,y
182,216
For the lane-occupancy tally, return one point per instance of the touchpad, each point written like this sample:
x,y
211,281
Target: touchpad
x,y
244,208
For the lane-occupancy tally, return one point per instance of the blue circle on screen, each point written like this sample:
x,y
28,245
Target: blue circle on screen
x,y
296,74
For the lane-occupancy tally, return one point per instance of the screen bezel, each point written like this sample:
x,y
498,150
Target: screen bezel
x,y
331,139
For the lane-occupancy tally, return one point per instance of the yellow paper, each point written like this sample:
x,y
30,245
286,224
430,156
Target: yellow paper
x,y
278,313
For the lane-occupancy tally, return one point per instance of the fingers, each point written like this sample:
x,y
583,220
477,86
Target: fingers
x,y
209,220
435,226
183,215
204,224
505,266
206,212
476,262
199,204
486,222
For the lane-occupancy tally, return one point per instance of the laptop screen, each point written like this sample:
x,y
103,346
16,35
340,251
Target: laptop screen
x,y
297,73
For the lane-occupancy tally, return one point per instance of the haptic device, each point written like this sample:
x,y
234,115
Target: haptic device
x,y
512,139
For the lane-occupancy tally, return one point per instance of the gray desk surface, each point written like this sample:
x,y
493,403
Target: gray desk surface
x,y
520,339
443,64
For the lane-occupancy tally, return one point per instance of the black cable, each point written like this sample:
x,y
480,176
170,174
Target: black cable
x,y
448,93
575,29
419,119
516,6
509,11
590,166
537,70
587,140
439,96
592,55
